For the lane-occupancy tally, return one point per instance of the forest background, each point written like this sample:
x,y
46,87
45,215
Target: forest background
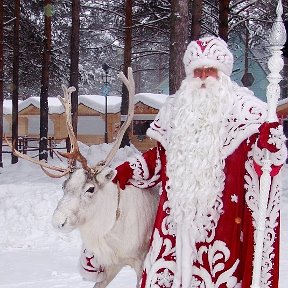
x,y
44,43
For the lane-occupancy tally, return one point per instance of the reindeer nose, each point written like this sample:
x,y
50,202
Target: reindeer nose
x,y
61,225
59,220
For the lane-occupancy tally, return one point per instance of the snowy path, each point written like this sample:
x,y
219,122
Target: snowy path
x,y
25,268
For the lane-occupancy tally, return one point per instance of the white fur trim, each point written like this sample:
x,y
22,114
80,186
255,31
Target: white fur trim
x,y
158,127
141,172
88,267
247,115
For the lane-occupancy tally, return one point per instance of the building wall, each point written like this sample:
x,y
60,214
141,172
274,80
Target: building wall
x,y
282,111
6,126
91,125
143,116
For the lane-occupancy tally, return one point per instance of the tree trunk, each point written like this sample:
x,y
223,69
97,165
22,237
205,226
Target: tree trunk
x,y
137,75
223,19
178,43
285,68
127,63
45,82
197,7
245,81
74,56
160,70
15,86
284,82
1,79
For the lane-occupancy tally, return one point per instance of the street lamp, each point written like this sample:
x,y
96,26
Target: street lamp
x,y
105,91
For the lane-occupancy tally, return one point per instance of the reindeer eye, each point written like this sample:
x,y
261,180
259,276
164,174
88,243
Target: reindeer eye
x,y
90,190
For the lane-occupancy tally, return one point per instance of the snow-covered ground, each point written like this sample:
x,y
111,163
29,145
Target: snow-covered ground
x,y
33,255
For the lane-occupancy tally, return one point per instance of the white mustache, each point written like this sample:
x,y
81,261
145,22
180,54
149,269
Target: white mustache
x,y
208,83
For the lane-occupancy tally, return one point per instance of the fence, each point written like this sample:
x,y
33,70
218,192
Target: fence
x,y
28,144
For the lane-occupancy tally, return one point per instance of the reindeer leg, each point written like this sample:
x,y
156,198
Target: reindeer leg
x,y
138,267
111,272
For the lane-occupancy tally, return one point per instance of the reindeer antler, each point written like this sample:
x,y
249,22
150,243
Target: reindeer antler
x,y
130,84
75,153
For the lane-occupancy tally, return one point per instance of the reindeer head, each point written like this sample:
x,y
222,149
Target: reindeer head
x,y
85,199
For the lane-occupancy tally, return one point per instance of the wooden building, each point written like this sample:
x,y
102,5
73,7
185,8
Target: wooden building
x,y
147,106
282,109
91,118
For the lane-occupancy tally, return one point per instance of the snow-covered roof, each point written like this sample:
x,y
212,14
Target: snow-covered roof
x,y
54,104
153,100
95,102
282,101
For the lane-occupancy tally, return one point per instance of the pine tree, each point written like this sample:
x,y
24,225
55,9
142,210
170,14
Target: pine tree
x,y
48,12
74,56
178,43
1,77
15,84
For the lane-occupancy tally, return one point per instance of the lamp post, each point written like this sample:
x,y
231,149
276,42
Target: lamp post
x,y
105,91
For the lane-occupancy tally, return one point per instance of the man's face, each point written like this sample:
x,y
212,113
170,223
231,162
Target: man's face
x,y
205,72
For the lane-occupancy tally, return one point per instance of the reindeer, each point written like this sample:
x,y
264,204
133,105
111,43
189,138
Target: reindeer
x,y
115,225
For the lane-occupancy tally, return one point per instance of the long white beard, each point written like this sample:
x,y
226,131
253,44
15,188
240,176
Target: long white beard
x,y
194,161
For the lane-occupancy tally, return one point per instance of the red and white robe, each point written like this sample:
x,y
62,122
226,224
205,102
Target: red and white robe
x,y
224,257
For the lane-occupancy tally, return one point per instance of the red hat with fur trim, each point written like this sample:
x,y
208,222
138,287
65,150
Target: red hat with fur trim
x,y
208,51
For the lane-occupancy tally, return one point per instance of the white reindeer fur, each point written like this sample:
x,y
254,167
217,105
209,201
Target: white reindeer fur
x,y
115,243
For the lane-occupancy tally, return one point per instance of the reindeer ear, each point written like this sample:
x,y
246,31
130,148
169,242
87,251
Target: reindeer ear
x,y
110,175
106,175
